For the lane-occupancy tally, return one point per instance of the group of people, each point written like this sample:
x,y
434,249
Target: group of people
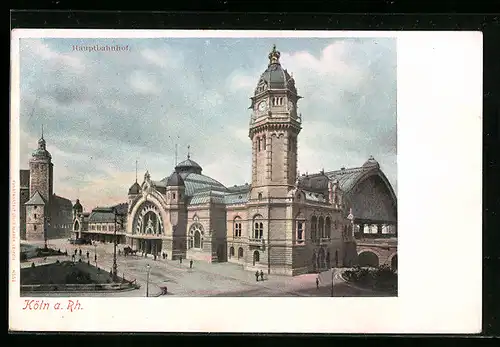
x,y
259,274
73,256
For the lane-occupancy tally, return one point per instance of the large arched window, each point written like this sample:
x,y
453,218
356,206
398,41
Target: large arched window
x,y
321,226
196,236
328,227
237,227
314,224
258,227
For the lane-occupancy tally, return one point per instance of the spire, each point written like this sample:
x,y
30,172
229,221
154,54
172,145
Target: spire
x,y
274,56
42,131
189,154
136,171
176,154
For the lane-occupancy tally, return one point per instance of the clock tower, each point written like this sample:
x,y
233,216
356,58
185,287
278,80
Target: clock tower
x,y
274,127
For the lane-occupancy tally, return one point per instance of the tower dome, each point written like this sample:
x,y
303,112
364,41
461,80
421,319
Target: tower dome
x,y
134,189
188,165
275,77
41,152
175,180
78,206
371,162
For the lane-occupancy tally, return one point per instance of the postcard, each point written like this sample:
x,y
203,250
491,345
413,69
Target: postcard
x,y
244,181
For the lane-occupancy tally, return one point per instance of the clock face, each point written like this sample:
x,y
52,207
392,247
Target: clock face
x,y
262,106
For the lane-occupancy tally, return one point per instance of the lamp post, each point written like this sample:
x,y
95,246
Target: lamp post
x,y
95,253
147,280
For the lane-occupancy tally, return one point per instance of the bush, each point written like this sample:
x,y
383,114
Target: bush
x,y
382,278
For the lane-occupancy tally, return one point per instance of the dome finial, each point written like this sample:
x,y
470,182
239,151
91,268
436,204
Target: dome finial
x,y
274,56
189,154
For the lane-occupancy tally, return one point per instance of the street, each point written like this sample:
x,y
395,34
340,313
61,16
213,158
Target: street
x,y
204,279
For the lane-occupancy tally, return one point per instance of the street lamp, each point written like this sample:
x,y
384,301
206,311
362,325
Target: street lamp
x,y
147,280
95,253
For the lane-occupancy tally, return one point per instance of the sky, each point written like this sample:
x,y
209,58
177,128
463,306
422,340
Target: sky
x,y
102,111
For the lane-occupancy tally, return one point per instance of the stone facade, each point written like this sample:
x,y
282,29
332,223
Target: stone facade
x,y
44,215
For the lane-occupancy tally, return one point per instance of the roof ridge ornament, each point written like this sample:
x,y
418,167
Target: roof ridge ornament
x,y
274,56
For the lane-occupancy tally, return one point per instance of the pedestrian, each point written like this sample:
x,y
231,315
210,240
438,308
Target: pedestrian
x,y
257,276
317,282
261,275
75,251
191,264
88,254
163,255
154,256
80,252
180,259
95,257
73,257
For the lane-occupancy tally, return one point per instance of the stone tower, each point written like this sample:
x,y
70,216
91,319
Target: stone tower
x,y
175,242
41,172
274,128
36,218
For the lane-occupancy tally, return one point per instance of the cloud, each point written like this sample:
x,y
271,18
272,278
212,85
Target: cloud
x,y
103,111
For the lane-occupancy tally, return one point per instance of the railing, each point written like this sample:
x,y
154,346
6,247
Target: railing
x,y
256,241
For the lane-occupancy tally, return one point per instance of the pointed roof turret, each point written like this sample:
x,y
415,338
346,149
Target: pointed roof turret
x,y
36,199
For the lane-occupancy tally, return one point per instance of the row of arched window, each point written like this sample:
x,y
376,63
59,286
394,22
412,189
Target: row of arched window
x,y
321,228
257,229
256,254
278,101
195,236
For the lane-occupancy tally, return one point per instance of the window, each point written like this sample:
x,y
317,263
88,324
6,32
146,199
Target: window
x,y
260,196
263,143
328,228
34,215
231,252
34,227
321,227
258,144
196,236
36,207
237,227
314,224
300,231
258,228
240,253
173,196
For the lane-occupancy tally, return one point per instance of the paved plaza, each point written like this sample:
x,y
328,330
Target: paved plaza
x,y
204,279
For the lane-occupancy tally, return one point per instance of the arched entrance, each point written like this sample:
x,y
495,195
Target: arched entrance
x,y
231,252
368,258
240,253
394,262
256,257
